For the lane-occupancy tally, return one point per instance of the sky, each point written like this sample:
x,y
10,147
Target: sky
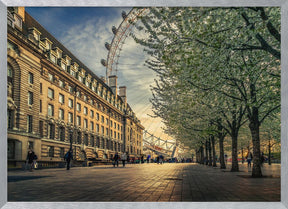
x,y
84,31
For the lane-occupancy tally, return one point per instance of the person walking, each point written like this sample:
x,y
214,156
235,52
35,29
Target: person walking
x,y
123,158
262,158
68,157
249,159
30,159
128,157
116,160
161,158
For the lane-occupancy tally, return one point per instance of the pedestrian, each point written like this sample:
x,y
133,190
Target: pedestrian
x,y
249,159
123,158
68,157
116,160
30,159
142,159
35,164
161,159
128,157
262,158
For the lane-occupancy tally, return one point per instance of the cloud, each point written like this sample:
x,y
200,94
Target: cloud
x,y
86,41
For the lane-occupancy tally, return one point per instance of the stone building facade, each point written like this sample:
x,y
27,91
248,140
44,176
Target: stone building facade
x,y
55,102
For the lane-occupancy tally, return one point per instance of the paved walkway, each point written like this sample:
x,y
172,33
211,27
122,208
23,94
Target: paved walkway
x,y
144,182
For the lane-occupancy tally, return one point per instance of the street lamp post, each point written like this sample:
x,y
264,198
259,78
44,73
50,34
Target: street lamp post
x,y
71,138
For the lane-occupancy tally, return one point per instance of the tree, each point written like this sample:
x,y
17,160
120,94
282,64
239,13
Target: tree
x,y
229,53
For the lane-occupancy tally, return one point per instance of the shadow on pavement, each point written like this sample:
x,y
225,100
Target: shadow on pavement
x,y
23,178
110,167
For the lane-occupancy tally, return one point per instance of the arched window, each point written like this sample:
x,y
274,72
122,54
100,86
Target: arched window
x,y
51,131
92,144
10,85
62,133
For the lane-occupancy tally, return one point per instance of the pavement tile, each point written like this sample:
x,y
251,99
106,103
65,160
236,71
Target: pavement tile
x,y
146,182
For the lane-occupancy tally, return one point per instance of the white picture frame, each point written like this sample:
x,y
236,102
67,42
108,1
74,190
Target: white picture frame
x,y
130,3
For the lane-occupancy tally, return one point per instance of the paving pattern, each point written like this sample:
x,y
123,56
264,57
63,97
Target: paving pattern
x,y
144,183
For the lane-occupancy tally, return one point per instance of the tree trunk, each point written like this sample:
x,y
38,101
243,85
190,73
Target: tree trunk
x,y
269,152
254,128
214,152
242,155
210,154
221,147
235,167
206,152
202,155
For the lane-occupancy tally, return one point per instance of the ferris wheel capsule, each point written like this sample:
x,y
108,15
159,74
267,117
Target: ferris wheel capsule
x,y
114,30
124,15
103,62
108,46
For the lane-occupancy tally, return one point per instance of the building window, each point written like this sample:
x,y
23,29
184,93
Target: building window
x,y
114,134
53,58
62,133
41,130
102,130
107,131
50,151
85,123
102,118
78,107
62,152
41,88
78,121
61,84
40,105
70,117
70,88
97,128
91,113
114,125
91,126
30,98
10,116
30,145
50,93
50,77
97,116
92,144
85,98
63,66
118,136
80,79
51,131
79,137
86,139
29,123
107,121
85,110
61,114
50,110
72,72
30,78
92,102
70,103
61,98
118,127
